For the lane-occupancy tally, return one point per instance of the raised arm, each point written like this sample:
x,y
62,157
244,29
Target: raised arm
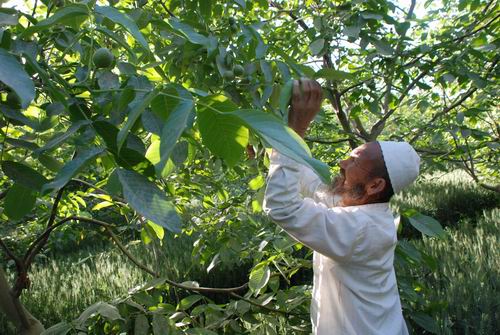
x,y
334,232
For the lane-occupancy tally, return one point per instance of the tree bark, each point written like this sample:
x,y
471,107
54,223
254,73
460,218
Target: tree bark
x,y
26,323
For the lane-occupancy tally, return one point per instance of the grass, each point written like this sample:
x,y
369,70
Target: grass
x,y
64,284
467,279
449,198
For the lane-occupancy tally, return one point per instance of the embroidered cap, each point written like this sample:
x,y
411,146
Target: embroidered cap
x,y
402,163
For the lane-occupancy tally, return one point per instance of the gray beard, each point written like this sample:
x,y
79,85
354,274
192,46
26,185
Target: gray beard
x,y
340,192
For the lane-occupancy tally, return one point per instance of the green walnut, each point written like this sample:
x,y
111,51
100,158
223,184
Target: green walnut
x,y
228,75
103,58
238,70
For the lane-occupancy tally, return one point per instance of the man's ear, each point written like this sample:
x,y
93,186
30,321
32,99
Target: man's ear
x,y
375,186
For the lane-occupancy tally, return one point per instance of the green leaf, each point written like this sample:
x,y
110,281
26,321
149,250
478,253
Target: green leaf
x,y
125,21
158,230
175,125
61,328
259,276
58,139
148,200
104,309
188,32
50,163
153,155
205,8
70,169
24,175
8,19
189,301
273,131
285,96
19,201
425,321
371,16
223,133
256,183
17,115
141,325
160,325
133,116
65,14
425,224
13,75
383,47
335,75
317,45
352,31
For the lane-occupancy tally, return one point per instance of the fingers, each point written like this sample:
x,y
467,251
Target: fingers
x,y
305,87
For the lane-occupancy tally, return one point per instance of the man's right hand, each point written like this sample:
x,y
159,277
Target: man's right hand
x,y
306,104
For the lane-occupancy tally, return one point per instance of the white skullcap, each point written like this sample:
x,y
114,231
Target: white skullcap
x,y
402,163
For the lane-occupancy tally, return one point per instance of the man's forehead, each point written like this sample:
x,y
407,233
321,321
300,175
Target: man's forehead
x,y
367,150
358,151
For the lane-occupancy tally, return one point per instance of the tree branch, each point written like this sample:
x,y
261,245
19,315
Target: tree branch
x,y
167,10
455,104
34,249
334,96
344,91
11,255
318,140
379,125
120,245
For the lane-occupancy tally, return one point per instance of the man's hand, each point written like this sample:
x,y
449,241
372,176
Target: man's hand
x,y
306,103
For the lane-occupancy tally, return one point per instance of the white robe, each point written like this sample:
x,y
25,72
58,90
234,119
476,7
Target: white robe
x,y
355,289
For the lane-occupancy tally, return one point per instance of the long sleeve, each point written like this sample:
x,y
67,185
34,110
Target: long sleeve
x,y
333,232
312,187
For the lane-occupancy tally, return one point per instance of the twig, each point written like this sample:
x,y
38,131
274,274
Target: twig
x,y
90,185
11,255
318,140
344,91
167,10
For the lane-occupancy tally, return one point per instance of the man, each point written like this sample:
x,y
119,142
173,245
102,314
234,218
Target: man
x,y
349,226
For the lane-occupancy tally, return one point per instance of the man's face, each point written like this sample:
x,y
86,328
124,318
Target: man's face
x,y
355,172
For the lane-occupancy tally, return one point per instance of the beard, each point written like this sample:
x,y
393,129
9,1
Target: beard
x,y
341,192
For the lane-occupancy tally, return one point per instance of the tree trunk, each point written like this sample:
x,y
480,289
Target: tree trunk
x,y
26,323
